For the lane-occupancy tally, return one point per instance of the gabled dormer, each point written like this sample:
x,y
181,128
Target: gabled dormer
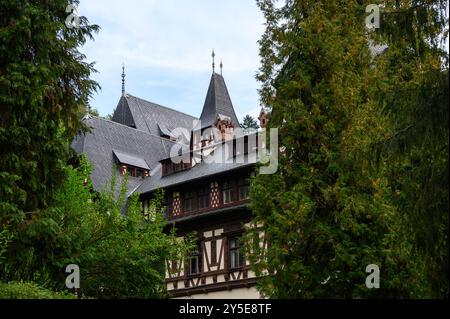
x,y
225,127
263,117
131,164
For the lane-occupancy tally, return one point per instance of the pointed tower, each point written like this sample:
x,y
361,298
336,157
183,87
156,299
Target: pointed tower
x,y
122,113
217,104
218,111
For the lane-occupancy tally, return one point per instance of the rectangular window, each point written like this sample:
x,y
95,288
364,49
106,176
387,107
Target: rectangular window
x,y
203,198
236,256
177,167
188,201
168,205
194,260
243,188
193,265
227,192
169,168
131,171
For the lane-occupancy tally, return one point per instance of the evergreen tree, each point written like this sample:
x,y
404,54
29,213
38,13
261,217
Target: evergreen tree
x,y
413,93
44,83
120,254
249,123
327,212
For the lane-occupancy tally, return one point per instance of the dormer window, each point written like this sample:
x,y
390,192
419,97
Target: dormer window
x,y
169,167
177,167
131,164
225,126
133,171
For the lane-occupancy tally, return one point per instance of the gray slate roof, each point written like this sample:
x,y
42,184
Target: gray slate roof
x,y
200,170
107,136
131,159
134,137
145,116
217,102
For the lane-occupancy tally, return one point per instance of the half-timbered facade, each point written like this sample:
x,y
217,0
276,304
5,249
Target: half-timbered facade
x,y
210,199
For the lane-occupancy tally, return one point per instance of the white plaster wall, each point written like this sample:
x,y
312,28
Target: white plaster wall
x,y
239,293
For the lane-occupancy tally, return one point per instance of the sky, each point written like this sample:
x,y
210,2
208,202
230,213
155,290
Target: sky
x,y
166,48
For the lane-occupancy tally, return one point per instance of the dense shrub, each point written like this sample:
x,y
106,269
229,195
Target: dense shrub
x,y
29,290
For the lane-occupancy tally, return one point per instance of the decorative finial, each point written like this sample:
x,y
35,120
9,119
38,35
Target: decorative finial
x,y
221,66
123,79
213,55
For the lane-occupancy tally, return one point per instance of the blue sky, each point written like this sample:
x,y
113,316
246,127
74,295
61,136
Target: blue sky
x,y
166,47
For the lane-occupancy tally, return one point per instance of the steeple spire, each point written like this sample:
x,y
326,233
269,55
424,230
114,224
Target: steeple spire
x,y
221,66
213,64
217,103
123,80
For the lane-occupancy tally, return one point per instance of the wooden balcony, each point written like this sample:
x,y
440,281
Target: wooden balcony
x,y
238,203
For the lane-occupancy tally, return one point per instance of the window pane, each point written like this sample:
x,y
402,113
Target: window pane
x,y
193,265
233,259
241,259
227,192
188,201
203,198
233,243
194,261
243,193
243,188
235,253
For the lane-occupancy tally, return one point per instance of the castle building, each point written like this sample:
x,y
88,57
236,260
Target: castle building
x,y
209,198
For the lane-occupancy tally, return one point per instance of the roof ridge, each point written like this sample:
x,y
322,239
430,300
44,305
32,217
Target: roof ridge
x,y
159,105
132,128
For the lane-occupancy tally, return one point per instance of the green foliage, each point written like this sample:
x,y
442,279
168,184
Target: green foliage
x,y
5,238
413,95
249,123
93,111
44,86
331,209
120,254
28,290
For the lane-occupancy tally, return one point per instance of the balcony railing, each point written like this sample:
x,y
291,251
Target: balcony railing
x,y
171,216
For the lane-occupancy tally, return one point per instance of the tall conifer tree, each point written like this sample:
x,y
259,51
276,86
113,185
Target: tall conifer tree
x,y
44,83
328,212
